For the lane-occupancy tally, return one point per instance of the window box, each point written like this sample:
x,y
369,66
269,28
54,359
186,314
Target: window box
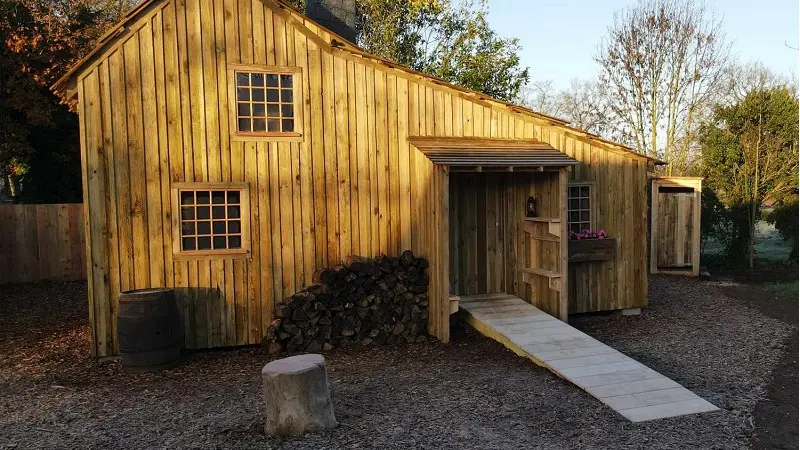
x,y
581,250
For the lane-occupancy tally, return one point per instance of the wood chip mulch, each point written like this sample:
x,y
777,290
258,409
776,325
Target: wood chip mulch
x,y
470,394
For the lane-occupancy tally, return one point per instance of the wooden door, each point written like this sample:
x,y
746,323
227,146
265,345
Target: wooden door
x,y
674,239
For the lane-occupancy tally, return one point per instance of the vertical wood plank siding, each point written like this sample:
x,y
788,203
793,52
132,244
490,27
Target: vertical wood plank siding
x,y
487,241
675,225
154,111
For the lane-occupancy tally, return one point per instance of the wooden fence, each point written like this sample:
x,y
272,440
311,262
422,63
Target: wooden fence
x,y
42,242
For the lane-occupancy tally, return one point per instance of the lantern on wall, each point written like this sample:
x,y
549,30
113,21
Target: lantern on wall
x,y
530,207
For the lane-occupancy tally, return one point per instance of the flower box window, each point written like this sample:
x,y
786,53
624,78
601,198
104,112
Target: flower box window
x,y
210,220
590,245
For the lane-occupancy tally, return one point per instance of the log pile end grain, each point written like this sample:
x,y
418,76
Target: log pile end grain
x,y
383,300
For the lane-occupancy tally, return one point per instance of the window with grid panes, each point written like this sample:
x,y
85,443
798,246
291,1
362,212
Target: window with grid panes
x,y
211,219
266,103
579,215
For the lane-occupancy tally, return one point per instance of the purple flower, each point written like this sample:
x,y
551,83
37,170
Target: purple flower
x,y
588,234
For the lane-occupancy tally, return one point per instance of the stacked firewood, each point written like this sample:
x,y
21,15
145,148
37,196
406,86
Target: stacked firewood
x,y
368,301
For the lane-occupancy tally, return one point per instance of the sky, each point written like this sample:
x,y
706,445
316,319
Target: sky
x,y
559,38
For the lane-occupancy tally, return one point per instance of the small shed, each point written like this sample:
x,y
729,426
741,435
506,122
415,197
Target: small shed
x,y
232,149
675,225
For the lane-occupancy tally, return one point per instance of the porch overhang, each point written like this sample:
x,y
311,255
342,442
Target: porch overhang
x,y
467,153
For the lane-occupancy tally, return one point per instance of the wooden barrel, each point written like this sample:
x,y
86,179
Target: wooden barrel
x,y
149,330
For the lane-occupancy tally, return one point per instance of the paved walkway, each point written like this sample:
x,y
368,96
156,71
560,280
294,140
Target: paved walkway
x,y
627,386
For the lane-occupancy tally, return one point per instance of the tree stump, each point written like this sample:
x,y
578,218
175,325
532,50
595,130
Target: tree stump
x,y
296,396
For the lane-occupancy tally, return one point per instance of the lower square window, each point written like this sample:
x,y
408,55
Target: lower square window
x,y
211,219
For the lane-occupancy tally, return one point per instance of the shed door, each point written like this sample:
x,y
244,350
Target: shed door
x,y
675,227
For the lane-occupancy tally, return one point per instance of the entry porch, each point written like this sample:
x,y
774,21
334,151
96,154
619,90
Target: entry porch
x,y
476,226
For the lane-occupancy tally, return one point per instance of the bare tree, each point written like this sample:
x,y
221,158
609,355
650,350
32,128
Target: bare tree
x,y
585,105
541,96
742,78
660,63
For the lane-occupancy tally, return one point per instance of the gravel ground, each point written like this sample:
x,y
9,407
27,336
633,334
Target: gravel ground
x,y
776,415
471,393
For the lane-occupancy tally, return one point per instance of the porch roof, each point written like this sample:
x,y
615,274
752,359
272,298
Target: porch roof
x,y
482,152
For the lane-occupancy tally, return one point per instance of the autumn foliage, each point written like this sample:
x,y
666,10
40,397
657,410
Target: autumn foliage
x,y
39,41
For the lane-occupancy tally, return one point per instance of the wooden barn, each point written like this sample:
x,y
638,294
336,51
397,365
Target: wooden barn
x,y
231,148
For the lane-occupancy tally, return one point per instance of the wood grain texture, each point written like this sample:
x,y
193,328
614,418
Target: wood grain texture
x,y
675,225
155,110
491,240
42,242
628,387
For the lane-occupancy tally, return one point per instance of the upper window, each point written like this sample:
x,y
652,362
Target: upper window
x,y
579,207
211,219
266,102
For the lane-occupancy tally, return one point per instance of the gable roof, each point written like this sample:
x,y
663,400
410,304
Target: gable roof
x,y
65,86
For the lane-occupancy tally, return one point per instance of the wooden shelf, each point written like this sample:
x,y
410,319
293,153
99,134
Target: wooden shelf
x,y
543,219
542,272
554,278
545,238
553,226
454,303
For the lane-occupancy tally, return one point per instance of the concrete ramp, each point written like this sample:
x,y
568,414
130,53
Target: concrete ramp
x,y
634,390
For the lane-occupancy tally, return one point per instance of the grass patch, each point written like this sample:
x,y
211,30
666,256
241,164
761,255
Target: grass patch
x,y
773,270
769,246
787,289
769,243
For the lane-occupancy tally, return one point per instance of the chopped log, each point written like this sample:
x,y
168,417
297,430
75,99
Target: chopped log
x,y
296,396
355,303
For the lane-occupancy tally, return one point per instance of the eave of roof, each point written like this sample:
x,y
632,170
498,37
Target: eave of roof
x,y
61,86
432,142
481,152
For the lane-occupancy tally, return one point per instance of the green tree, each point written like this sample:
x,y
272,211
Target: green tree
x,y
749,153
447,40
396,29
460,47
39,40
785,218
715,220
